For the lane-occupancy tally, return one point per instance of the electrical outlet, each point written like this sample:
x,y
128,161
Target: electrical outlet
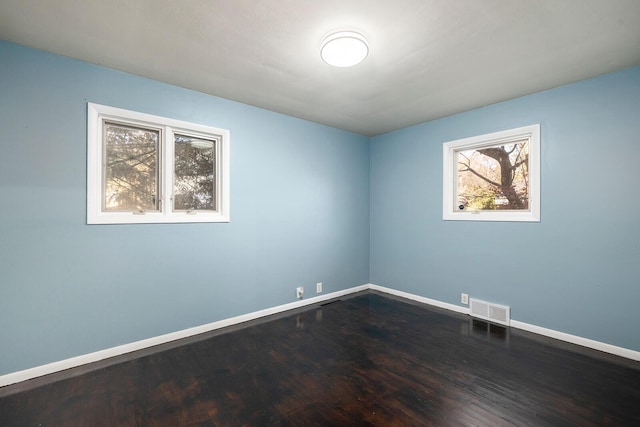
x,y
464,298
299,292
318,287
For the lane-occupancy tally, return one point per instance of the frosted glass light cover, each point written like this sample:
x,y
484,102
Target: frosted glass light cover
x,y
344,49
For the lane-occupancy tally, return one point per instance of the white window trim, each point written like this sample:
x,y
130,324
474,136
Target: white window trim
x,y
450,175
97,114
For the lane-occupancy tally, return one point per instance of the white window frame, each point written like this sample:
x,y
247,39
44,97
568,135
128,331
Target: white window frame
x,y
450,211
98,114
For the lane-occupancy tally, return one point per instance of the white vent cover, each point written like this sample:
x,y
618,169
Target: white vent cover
x,y
488,311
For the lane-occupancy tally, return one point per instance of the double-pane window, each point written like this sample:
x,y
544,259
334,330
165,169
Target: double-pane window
x,y
144,168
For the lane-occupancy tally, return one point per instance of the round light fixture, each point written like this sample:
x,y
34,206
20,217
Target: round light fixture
x,y
344,49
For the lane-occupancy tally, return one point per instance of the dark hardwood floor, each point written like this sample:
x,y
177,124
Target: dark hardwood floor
x,y
368,360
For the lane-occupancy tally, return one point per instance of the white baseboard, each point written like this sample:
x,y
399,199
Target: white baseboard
x,y
574,339
74,362
39,371
418,298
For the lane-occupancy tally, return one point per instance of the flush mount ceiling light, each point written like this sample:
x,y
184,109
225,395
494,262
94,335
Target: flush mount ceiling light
x,y
344,49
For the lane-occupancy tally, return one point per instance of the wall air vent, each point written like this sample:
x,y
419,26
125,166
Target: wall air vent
x,y
488,311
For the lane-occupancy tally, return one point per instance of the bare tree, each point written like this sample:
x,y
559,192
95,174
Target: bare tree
x,y
512,161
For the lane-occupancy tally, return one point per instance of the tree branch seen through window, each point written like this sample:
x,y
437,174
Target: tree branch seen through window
x,y
494,178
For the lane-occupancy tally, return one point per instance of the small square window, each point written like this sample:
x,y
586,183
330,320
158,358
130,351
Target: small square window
x,y
150,169
493,177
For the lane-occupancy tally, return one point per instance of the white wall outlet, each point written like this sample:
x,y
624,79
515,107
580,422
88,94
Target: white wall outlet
x,y
299,292
318,287
464,298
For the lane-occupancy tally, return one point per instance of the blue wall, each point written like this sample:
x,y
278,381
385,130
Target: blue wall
x,y
309,203
299,214
578,270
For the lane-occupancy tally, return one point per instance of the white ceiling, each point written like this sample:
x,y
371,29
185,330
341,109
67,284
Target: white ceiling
x,y
428,58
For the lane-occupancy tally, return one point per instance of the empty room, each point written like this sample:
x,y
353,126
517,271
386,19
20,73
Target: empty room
x,y
304,213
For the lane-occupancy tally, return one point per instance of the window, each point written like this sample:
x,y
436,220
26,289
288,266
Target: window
x,y
149,169
493,177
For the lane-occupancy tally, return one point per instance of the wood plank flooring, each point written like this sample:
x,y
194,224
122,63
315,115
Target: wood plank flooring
x,y
369,360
